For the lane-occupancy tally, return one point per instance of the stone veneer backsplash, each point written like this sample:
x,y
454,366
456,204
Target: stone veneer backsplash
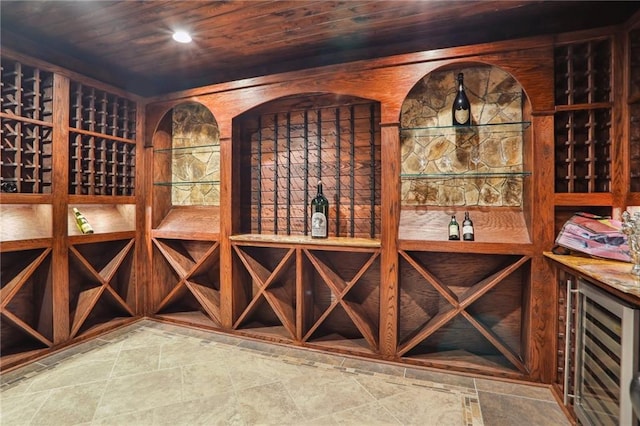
x,y
195,164
430,146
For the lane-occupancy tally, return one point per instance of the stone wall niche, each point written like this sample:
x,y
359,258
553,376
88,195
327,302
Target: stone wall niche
x,y
480,165
195,161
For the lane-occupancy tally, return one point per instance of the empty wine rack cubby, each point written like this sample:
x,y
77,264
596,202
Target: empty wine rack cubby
x,y
583,117
26,128
102,142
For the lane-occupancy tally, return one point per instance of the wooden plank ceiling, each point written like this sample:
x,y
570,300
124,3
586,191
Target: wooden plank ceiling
x,y
128,43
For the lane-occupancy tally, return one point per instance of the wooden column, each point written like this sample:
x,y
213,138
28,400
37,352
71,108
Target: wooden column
x,y
143,249
228,208
59,209
542,297
390,219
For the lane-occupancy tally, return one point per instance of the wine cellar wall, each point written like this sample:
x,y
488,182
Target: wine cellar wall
x,y
207,223
61,283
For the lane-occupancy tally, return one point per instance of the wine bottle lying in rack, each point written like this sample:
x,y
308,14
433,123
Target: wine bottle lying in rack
x,y
83,224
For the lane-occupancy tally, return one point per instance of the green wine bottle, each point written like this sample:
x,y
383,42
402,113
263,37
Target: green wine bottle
x,y
83,224
454,229
319,215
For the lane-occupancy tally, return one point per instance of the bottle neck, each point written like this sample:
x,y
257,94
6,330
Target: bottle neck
x,y
319,189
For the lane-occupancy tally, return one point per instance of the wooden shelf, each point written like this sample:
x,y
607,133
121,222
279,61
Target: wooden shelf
x,y
25,222
348,243
493,365
583,199
193,318
104,218
336,342
495,225
190,223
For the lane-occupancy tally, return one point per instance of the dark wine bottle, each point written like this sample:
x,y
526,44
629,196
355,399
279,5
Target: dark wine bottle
x,y
83,224
467,228
461,110
8,187
454,229
320,215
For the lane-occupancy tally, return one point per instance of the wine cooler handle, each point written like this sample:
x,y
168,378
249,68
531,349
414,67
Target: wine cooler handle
x,y
567,340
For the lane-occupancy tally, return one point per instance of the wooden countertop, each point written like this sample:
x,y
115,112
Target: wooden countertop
x,y
613,273
306,240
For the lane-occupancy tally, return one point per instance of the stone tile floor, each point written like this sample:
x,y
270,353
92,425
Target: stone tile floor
x,y
150,373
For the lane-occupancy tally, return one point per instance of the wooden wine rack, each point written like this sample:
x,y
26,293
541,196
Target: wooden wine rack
x,y
583,118
194,294
102,143
473,317
291,151
26,302
101,282
26,127
323,294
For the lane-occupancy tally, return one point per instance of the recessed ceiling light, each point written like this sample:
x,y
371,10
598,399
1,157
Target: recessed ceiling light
x,y
182,36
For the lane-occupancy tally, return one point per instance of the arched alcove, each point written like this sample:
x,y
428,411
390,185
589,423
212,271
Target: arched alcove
x,y
480,165
288,144
187,151
186,216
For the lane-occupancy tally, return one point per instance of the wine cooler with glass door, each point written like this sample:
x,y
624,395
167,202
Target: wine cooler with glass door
x,y
606,356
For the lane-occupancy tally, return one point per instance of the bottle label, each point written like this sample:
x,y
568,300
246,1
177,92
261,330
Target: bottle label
x,y
84,226
461,115
318,225
454,231
468,229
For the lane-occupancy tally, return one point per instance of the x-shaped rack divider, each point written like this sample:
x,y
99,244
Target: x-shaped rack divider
x,y
88,299
340,288
459,306
275,296
12,288
208,298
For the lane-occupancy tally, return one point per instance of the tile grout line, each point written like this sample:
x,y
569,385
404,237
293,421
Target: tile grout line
x,y
104,390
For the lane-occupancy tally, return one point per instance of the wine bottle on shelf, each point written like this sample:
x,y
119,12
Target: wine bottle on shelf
x,y
9,187
319,215
467,228
461,109
454,229
83,224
